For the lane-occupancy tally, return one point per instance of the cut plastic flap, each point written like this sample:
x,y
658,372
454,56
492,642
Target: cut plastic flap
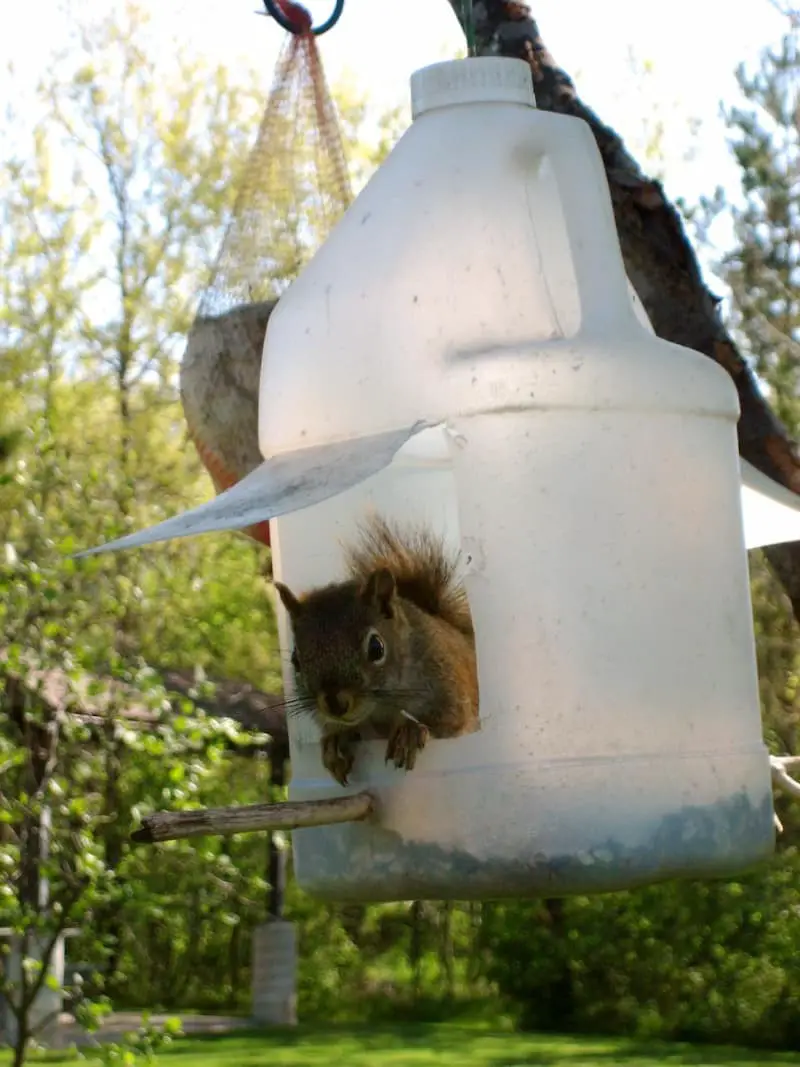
x,y
283,484
771,512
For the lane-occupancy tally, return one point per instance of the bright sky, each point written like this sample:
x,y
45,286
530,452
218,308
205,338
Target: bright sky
x,y
693,54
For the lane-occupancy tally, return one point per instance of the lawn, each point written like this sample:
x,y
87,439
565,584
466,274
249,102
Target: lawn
x,y
436,1046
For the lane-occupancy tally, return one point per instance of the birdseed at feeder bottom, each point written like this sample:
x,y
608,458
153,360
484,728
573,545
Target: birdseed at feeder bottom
x,y
359,862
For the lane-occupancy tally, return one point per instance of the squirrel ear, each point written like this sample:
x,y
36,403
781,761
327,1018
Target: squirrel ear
x,y
288,599
379,590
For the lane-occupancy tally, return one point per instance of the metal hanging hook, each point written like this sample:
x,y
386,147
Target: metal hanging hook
x,y
302,20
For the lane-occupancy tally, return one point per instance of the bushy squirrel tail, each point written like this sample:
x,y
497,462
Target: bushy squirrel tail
x,y
425,572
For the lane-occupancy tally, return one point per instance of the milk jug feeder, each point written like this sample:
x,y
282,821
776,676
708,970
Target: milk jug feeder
x,y
464,351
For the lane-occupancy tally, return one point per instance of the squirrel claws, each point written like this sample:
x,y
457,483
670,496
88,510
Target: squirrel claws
x,y
406,740
338,755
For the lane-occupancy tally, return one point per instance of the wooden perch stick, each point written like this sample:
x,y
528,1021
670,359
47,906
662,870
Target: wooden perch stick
x,y
174,825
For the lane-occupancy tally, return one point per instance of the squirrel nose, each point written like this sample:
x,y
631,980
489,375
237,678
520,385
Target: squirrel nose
x,y
338,703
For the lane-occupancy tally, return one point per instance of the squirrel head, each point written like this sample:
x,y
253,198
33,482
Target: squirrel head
x,y
349,645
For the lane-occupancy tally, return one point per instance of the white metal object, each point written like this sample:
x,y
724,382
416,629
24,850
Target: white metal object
x,y
470,317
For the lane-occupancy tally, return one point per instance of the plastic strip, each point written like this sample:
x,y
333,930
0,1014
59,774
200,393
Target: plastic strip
x,y
285,483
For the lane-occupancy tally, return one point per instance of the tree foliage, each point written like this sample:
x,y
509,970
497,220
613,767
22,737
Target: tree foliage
x,y
111,211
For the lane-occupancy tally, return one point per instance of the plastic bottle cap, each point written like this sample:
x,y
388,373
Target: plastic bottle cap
x,y
477,80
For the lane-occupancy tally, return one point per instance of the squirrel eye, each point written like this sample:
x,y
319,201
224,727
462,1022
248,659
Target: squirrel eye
x,y
295,660
376,649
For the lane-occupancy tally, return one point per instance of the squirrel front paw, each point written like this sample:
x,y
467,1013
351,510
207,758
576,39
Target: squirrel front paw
x,y
338,755
405,741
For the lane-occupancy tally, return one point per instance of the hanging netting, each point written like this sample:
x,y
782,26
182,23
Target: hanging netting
x,y
295,183
294,187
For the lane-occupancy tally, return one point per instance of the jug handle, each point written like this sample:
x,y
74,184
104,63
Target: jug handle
x,y
594,245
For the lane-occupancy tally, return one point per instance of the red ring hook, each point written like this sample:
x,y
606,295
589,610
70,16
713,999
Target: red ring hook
x,y
294,17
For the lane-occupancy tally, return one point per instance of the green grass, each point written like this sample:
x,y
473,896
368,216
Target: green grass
x,y
444,1045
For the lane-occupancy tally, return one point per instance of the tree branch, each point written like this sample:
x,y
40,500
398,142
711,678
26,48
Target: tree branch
x,y
251,708
789,12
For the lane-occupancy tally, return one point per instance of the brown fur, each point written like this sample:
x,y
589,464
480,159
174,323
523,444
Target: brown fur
x,y
402,591
424,572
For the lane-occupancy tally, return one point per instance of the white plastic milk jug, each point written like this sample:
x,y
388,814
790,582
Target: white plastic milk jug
x,y
588,472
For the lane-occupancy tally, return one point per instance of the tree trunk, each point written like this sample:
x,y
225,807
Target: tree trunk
x,y
559,997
